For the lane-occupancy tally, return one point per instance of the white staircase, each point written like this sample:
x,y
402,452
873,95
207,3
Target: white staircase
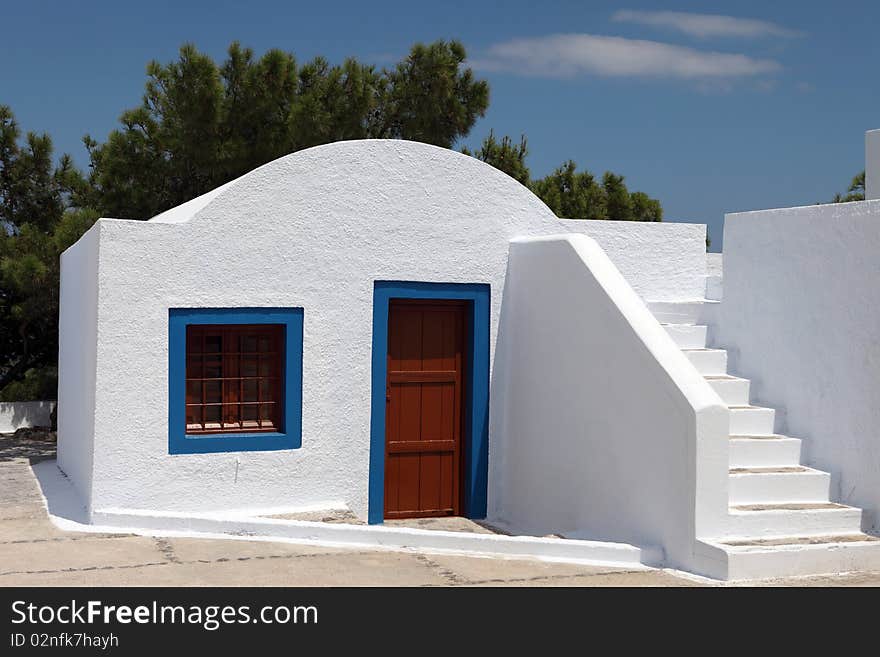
x,y
781,521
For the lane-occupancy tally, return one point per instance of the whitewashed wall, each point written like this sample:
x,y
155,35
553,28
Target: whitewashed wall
x,y
714,264
661,261
872,164
801,317
603,418
314,229
78,332
18,415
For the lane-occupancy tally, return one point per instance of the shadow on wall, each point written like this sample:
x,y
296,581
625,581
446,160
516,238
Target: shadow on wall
x,y
498,384
18,415
62,500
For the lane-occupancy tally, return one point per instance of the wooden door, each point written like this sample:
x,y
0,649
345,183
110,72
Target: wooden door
x,y
423,408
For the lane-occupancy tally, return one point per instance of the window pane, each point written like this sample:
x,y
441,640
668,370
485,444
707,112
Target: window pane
x,y
213,368
267,392
193,392
249,366
194,340
194,367
213,344
213,392
249,390
232,372
230,391
249,413
248,343
230,416
212,417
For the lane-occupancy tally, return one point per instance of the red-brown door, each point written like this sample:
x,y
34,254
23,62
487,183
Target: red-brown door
x,y
423,409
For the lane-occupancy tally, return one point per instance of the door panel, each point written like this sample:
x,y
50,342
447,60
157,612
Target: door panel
x,y
423,416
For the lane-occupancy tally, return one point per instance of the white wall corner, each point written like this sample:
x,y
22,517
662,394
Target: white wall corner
x,y
872,164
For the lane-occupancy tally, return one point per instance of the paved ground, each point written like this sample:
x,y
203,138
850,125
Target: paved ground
x,y
452,524
35,553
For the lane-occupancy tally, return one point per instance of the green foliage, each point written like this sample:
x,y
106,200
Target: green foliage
x,y
32,189
40,218
570,193
37,384
618,203
576,195
430,99
855,191
201,124
505,156
646,208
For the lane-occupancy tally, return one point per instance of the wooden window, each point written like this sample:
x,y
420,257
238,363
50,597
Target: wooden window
x,y
234,376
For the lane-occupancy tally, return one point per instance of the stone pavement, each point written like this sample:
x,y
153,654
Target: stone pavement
x,y
33,552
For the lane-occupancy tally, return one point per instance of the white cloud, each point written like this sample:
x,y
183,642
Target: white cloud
x,y
571,55
704,26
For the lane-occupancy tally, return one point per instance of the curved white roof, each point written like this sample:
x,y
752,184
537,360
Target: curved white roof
x,y
371,161
185,211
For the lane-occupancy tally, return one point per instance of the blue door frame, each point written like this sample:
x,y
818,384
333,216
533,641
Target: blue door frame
x,y
475,440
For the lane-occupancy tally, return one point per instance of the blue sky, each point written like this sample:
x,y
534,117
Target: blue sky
x,y
712,107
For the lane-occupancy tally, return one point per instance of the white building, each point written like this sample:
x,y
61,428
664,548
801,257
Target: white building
x,y
405,331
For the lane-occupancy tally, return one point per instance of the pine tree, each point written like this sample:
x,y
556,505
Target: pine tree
x,y
505,156
202,124
39,218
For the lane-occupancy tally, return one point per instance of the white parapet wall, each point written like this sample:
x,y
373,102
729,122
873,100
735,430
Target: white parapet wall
x,y
77,350
801,317
607,431
20,415
714,264
660,261
872,164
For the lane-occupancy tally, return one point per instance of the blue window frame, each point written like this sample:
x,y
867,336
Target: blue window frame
x,y
290,437
476,403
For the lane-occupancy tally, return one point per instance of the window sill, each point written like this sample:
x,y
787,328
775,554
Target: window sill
x,y
233,442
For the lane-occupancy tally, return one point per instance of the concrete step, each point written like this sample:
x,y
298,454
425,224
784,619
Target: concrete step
x,y
752,421
687,336
764,451
708,361
714,287
777,485
733,390
697,311
797,519
800,555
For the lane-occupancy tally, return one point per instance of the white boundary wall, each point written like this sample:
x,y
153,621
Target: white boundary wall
x,y
801,319
314,230
77,350
18,415
608,431
872,164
